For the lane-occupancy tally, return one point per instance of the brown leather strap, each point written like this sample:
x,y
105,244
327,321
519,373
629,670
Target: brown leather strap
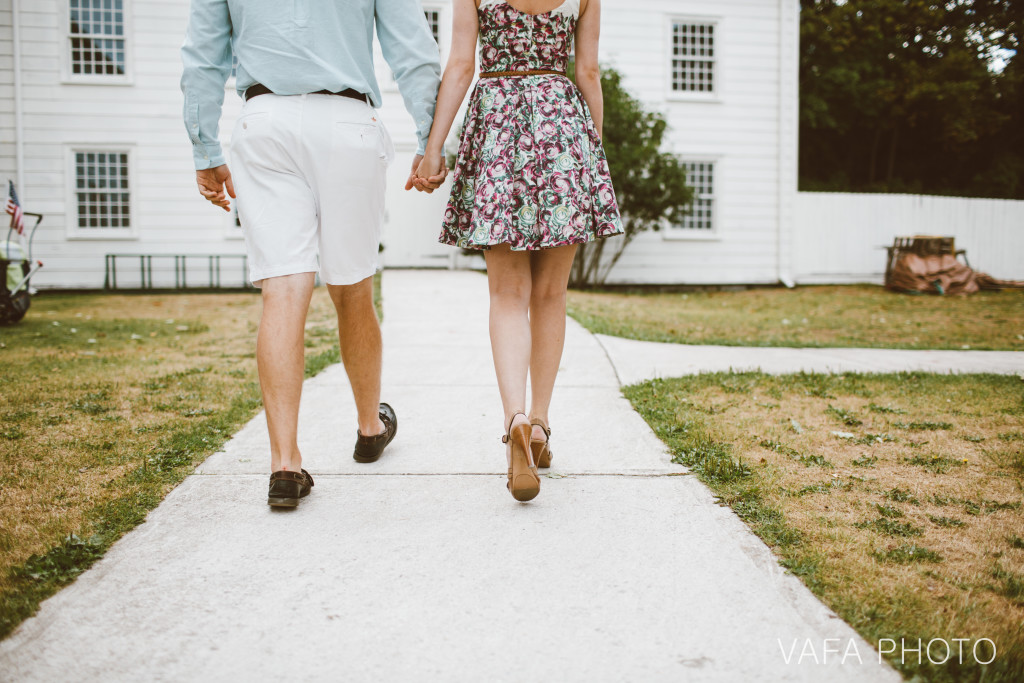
x,y
537,422
301,477
508,430
257,89
511,74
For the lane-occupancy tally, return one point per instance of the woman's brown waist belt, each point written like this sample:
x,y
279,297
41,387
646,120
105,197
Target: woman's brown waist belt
x,y
531,72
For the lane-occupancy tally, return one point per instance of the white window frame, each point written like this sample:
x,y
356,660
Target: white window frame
x,y
74,232
66,73
677,232
715,95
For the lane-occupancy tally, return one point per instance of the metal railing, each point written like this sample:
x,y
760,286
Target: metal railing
x,y
181,261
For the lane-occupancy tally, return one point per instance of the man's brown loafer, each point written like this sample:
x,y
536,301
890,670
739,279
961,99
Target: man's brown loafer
x,y
287,487
369,448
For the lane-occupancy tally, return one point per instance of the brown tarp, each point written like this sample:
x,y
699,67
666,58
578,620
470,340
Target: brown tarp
x,y
941,274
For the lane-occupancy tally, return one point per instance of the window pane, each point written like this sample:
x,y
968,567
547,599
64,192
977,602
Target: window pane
x,y
700,176
96,29
101,186
693,57
434,21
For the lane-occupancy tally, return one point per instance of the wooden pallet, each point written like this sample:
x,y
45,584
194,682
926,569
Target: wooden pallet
x,y
922,245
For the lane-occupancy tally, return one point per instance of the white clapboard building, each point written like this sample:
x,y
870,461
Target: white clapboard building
x,y
91,133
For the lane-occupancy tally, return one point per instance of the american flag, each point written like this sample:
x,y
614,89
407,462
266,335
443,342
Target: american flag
x,y
13,207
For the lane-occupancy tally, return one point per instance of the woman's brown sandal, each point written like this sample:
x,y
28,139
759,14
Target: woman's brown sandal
x,y
523,480
541,452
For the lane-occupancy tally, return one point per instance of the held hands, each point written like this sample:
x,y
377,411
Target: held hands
x,y
212,185
428,172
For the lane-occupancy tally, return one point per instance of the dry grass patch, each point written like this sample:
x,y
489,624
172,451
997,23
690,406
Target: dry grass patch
x,y
854,315
898,499
108,402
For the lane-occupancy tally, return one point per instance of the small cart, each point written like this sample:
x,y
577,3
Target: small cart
x,y
16,271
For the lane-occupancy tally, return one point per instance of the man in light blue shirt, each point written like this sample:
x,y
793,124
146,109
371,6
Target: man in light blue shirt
x,y
302,47
309,157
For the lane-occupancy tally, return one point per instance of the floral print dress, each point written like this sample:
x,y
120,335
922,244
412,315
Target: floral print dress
x,y
531,171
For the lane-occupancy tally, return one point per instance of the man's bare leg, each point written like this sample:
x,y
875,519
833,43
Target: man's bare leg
x,y
359,337
280,357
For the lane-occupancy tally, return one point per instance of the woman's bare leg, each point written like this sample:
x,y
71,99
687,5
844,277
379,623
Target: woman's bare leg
x,y
549,270
508,279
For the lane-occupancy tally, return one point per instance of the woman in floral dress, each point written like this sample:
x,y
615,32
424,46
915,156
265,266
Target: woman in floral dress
x,y
530,184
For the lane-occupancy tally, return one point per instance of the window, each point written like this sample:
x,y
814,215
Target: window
x,y
96,38
102,192
700,175
693,57
434,22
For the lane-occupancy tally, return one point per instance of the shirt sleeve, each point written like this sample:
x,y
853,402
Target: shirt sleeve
x,y
412,54
206,61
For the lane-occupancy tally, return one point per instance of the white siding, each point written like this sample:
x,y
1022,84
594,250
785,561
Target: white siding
x,y
8,166
842,237
749,129
144,116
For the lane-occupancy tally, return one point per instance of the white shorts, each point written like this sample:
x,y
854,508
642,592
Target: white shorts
x,y
309,172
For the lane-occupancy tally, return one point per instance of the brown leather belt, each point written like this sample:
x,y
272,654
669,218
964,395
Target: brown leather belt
x,y
258,89
510,74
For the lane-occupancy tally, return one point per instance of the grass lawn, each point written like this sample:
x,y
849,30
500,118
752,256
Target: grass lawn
x,y
898,499
108,402
852,315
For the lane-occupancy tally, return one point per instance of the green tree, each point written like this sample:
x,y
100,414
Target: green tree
x,y
899,95
650,184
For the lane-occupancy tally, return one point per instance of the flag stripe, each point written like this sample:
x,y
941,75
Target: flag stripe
x,y
13,207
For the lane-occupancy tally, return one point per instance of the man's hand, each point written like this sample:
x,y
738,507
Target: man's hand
x,y
427,185
212,183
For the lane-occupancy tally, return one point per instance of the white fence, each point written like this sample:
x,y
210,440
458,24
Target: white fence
x,y
839,237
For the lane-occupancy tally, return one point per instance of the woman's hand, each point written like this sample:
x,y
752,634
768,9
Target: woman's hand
x,y
431,172
430,165
427,184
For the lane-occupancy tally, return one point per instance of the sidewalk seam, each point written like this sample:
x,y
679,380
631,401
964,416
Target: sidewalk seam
x,y
560,475
607,355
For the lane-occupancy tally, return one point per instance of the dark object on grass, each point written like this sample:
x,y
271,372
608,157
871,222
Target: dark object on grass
x,y
929,265
13,306
16,269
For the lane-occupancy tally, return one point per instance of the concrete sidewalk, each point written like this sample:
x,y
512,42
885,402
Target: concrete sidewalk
x,y
637,361
415,568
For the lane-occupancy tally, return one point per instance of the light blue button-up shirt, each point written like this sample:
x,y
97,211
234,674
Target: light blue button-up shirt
x,y
302,46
